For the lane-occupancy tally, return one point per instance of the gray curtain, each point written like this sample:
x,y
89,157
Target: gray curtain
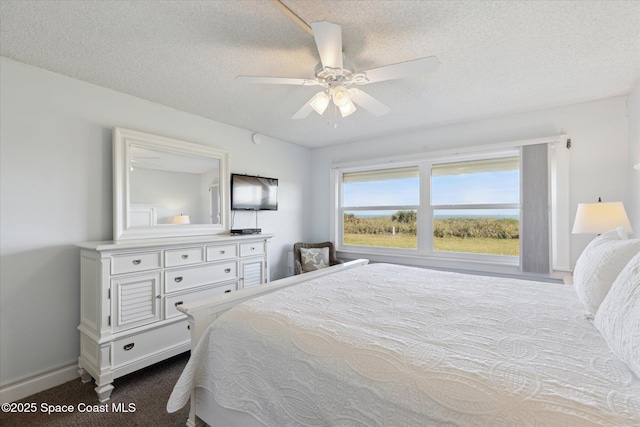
x,y
534,232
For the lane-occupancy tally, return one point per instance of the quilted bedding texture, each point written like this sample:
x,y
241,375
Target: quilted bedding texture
x,y
386,345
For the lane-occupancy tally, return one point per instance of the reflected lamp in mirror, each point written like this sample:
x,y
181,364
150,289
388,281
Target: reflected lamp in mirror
x,y
181,219
597,218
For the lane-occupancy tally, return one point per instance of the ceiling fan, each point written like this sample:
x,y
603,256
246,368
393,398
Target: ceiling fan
x,y
338,80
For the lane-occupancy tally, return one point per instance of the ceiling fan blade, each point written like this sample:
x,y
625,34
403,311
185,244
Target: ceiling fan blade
x,y
369,103
329,42
401,70
277,80
304,111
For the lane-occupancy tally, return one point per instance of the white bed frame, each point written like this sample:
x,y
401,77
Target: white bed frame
x,y
202,313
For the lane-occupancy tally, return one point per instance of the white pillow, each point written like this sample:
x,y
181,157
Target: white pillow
x,y
599,265
618,318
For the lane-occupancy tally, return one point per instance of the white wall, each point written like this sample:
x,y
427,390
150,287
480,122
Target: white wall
x,y
633,193
599,153
56,190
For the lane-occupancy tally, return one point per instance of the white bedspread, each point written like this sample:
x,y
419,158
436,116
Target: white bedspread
x,y
385,345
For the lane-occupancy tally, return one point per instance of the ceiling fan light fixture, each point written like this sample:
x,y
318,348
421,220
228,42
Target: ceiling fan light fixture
x,y
347,109
320,102
341,96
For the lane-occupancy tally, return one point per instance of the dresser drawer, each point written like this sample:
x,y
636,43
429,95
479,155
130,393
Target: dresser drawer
x,y
186,256
218,253
132,263
248,249
185,278
171,302
136,347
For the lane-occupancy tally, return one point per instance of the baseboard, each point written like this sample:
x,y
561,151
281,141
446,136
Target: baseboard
x,y
23,388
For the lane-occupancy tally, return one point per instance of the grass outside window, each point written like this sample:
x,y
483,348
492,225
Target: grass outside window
x,y
466,235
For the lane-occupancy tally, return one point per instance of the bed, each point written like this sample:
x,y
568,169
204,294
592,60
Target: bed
x,y
384,345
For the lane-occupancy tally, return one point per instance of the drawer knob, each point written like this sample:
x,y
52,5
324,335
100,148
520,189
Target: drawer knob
x,y
178,279
128,347
221,252
179,302
227,270
227,291
136,261
185,256
252,248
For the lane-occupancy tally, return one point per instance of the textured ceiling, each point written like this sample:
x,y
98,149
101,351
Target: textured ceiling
x,y
496,57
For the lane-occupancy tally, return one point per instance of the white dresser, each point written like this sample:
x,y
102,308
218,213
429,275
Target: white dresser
x,y
130,289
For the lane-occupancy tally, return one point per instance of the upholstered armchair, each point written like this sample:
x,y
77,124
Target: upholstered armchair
x,y
313,260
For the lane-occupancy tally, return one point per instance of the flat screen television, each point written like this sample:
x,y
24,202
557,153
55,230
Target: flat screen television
x,y
253,193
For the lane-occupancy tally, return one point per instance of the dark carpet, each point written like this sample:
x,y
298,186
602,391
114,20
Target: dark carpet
x,y
144,394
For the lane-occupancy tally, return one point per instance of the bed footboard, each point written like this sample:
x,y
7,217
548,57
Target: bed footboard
x,y
202,313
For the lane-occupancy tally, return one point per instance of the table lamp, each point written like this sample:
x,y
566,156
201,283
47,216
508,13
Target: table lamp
x,y
181,219
597,218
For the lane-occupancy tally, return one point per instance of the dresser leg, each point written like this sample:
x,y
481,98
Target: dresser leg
x,y
84,375
104,391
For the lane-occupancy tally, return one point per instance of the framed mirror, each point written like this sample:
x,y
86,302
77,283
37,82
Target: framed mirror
x,y
165,187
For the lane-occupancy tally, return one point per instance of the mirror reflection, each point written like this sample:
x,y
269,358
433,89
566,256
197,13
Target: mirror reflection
x,y
168,187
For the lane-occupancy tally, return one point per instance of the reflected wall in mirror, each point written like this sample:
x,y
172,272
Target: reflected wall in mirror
x,y
174,184
166,188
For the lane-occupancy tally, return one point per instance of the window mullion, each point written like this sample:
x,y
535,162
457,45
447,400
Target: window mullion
x,y
381,208
479,206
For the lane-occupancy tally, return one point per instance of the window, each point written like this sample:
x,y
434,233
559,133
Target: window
x,y
475,206
380,207
503,206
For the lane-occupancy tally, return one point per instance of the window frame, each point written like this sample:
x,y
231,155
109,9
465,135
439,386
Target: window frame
x,y
494,259
340,211
425,255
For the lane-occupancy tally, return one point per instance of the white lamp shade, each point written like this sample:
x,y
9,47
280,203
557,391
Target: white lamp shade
x,y
597,218
181,219
347,109
320,102
341,96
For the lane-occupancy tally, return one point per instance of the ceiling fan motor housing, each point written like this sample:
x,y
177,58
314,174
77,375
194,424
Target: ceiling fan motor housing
x,y
333,76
